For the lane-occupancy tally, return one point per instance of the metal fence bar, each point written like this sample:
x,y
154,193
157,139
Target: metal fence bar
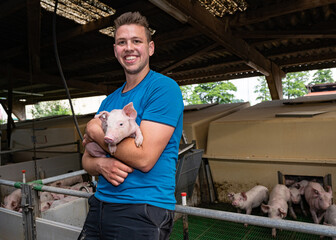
x,y
39,187
296,226
62,191
41,147
7,183
63,176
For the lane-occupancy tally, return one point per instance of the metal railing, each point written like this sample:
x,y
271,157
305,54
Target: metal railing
x,y
39,147
297,226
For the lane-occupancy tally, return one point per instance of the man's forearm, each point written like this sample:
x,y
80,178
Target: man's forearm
x,y
90,164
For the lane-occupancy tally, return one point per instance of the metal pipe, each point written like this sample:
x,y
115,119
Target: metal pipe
x,y
62,191
63,176
7,183
39,187
41,147
296,226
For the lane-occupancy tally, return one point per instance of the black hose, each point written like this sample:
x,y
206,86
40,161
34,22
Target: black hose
x,y
61,71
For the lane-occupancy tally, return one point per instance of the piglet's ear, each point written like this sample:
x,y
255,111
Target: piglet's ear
x,y
244,195
282,212
130,111
265,208
102,116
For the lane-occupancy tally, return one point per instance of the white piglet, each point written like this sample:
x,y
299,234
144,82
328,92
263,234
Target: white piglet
x,y
250,199
318,200
277,206
117,125
330,217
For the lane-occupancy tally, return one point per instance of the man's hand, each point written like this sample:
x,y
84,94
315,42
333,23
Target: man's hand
x,y
86,139
113,170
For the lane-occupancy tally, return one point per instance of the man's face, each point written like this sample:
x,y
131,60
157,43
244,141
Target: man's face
x,y
132,49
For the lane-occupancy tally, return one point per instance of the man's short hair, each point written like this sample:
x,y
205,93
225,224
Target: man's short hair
x,y
133,18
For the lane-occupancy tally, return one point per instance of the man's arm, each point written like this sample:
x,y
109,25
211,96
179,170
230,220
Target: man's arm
x,y
156,137
112,169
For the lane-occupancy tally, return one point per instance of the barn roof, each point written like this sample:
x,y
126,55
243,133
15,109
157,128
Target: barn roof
x,y
263,38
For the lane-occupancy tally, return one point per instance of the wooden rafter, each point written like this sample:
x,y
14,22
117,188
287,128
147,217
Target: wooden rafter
x,y
34,33
275,10
202,20
184,59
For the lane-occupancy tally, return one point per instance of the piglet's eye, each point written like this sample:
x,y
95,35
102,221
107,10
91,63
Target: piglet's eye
x,y
120,124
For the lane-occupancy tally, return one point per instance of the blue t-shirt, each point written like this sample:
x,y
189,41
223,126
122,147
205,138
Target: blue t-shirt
x,y
156,98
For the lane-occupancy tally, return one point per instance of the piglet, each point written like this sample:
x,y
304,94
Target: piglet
x,y
318,200
117,125
67,181
277,206
295,198
330,217
13,201
250,199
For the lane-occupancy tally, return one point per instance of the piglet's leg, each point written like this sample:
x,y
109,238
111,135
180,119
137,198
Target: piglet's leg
x,y
302,208
248,212
138,137
319,219
314,216
291,210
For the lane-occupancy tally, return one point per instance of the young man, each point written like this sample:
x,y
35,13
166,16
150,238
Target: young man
x,y
135,193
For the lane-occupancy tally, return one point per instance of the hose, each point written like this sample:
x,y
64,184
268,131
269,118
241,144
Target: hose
x,y
61,71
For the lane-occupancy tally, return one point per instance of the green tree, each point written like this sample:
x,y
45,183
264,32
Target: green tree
x,y
294,85
51,108
212,92
322,76
189,95
262,90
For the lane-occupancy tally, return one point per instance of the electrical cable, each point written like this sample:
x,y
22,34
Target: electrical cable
x,y
61,71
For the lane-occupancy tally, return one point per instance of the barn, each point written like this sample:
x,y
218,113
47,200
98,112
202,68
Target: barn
x,y
53,50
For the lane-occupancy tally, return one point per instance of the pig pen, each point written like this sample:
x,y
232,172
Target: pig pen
x,y
62,222
12,227
46,131
196,120
273,142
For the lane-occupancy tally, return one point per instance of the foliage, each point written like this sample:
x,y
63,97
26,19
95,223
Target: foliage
x,y
51,108
322,76
212,92
294,84
262,90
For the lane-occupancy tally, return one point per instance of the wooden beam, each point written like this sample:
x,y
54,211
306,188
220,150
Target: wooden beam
x,y
296,34
57,81
252,16
202,20
274,82
10,6
34,33
184,59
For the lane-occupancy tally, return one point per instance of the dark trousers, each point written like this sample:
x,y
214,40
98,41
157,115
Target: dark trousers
x,y
107,221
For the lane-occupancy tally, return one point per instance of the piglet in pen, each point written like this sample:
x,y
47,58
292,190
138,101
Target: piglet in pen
x,y
13,201
330,217
117,125
296,198
277,206
67,181
250,199
318,200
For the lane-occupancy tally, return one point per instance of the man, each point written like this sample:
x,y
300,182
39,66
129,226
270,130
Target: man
x,y
135,193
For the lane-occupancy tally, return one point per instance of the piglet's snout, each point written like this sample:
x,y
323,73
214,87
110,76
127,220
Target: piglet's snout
x,y
109,140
